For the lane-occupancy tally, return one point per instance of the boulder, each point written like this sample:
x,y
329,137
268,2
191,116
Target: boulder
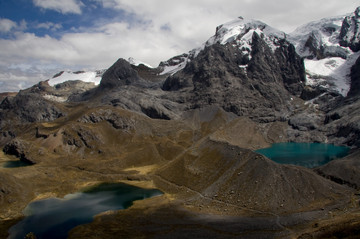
x,y
19,148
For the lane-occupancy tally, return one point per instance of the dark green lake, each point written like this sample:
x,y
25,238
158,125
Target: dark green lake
x,y
309,155
16,164
54,218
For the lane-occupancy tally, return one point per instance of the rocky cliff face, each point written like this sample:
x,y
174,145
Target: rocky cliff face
x,y
246,64
119,74
355,79
29,106
350,31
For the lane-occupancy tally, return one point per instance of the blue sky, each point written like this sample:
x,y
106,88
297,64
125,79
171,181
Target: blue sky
x,y
54,21
39,38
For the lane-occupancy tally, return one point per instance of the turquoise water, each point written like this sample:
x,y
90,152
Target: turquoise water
x,y
53,218
309,155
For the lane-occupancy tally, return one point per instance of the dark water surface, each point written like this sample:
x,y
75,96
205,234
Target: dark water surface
x,y
53,218
16,164
309,155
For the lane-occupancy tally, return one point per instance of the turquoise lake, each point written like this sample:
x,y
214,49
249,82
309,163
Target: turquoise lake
x,y
309,155
54,218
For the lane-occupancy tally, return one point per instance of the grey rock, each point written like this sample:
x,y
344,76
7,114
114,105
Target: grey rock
x,y
350,31
114,119
30,106
119,74
310,93
215,77
306,121
18,148
355,79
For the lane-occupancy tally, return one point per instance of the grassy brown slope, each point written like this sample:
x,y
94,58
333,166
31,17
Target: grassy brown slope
x,y
242,132
106,133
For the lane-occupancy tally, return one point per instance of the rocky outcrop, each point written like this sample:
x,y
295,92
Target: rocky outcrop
x,y
355,79
306,121
266,80
310,93
116,120
350,31
119,74
19,149
29,107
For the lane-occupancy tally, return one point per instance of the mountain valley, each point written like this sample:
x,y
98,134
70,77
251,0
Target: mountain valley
x,y
190,128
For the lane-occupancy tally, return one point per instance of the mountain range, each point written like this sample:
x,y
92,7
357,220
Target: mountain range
x,y
190,128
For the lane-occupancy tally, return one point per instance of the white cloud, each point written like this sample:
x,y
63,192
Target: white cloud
x,y
49,26
15,79
282,14
63,6
6,25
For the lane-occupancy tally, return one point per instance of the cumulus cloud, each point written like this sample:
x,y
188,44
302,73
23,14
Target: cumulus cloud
x,y
282,14
6,25
49,26
14,79
63,6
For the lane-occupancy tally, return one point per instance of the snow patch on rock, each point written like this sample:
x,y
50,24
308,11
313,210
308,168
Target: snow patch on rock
x,y
136,62
332,72
325,34
55,98
241,31
87,76
327,62
173,69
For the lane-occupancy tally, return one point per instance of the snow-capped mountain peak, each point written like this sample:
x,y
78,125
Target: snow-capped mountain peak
x,y
241,28
238,32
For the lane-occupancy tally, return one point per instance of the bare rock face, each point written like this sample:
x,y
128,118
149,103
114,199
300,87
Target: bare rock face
x,y
30,105
259,86
306,121
19,148
350,31
114,119
119,74
355,79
